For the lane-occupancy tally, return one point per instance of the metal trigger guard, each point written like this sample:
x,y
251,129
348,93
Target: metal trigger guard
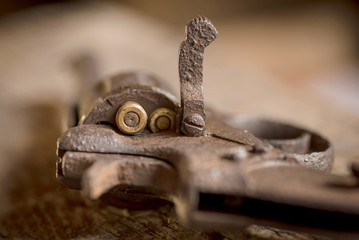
x,y
218,170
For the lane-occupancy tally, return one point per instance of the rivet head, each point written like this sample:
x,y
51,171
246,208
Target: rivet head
x,y
162,119
193,125
131,118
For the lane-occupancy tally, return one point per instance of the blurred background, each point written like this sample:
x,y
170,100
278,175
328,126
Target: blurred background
x,y
295,61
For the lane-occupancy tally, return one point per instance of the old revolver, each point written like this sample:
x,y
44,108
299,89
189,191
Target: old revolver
x,y
132,144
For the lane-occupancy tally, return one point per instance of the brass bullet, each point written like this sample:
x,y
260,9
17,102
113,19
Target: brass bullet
x,y
131,118
162,119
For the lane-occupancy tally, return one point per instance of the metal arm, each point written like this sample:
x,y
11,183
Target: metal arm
x,y
200,33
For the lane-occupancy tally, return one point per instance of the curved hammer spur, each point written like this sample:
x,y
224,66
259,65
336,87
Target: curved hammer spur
x,y
200,32
137,146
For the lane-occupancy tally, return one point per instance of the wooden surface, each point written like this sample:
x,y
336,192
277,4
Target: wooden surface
x,y
37,82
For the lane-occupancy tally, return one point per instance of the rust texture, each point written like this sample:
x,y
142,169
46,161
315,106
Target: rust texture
x,y
220,171
200,32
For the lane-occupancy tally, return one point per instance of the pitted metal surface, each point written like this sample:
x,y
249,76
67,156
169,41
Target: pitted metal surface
x,y
200,32
218,170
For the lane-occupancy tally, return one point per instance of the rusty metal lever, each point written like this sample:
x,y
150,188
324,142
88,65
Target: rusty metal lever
x,y
200,32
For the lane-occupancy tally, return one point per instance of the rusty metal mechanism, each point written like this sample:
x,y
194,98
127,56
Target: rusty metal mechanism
x,y
133,145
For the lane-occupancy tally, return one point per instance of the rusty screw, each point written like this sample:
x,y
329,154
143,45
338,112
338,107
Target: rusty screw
x,y
162,119
131,118
193,124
